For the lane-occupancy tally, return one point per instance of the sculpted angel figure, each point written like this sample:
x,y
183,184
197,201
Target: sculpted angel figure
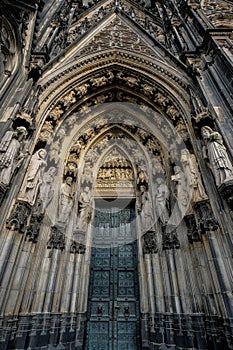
x,y
215,151
11,155
33,178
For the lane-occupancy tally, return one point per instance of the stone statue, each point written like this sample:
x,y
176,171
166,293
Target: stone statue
x,y
33,178
46,191
216,153
144,207
193,176
182,195
142,179
162,201
65,201
84,209
11,156
157,169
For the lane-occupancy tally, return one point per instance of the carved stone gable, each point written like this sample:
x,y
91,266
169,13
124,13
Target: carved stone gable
x,y
117,34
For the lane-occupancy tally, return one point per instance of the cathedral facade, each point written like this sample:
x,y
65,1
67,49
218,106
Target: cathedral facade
x,y
116,174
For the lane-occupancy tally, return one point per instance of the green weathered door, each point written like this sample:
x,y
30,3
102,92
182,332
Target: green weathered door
x,y
113,300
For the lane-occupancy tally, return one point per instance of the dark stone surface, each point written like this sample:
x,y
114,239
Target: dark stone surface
x,y
42,331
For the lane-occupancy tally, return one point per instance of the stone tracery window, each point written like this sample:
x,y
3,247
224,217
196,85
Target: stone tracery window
x,y
8,52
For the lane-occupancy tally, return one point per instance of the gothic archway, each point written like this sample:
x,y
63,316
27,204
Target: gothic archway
x,y
112,169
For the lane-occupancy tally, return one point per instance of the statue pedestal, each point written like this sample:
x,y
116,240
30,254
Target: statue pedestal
x,y
226,191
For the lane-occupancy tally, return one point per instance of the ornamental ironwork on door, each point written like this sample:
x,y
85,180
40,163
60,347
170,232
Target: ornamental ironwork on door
x,y
113,300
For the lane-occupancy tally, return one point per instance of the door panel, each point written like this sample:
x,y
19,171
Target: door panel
x,y
113,299
98,334
126,336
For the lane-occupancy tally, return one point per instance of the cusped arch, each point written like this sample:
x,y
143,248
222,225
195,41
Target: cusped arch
x,y
106,116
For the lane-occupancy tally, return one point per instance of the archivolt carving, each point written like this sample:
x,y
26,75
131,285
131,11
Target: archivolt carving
x,y
109,138
159,72
72,101
94,128
122,76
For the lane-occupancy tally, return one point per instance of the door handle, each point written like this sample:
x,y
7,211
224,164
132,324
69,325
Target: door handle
x,y
115,310
99,311
126,312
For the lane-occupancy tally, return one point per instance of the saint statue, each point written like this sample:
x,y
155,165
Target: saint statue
x,y
65,202
84,209
33,178
142,179
11,155
182,194
145,209
162,201
215,151
46,191
193,176
157,169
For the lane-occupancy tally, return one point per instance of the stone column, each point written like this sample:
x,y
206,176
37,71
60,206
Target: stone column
x,y
158,284
76,282
15,248
41,284
66,293
51,283
19,282
149,276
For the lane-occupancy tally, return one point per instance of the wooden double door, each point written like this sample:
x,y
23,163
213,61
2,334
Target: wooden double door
x,y
113,301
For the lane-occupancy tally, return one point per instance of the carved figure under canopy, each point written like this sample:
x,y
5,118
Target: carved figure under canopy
x,y
46,191
33,178
157,169
144,206
182,195
65,201
215,151
85,208
142,179
11,156
193,176
162,201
